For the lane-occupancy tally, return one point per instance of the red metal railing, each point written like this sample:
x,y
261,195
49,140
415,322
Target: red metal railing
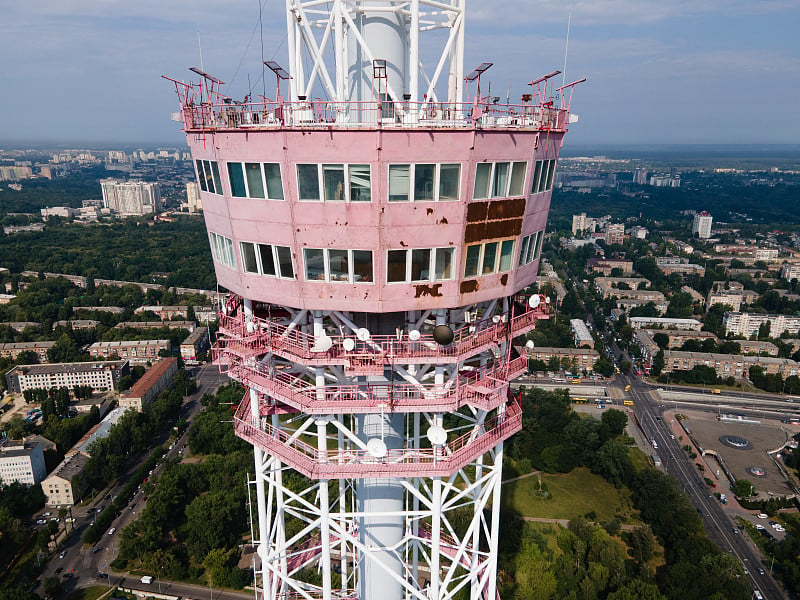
x,y
357,464
321,113
483,388
267,335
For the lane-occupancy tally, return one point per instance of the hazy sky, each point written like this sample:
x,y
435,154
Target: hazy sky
x,y
659,71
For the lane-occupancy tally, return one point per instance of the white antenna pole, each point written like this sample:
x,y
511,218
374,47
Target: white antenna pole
x,y
200,46
566,51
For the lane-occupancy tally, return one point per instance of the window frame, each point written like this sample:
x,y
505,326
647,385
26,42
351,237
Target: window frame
x,y
347,183
412,182
208,173
222,250
543,175
497,261
241,165
275,251
351,271
491,183
530,248
433,258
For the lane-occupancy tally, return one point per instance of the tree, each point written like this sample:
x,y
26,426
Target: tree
x,y
604,367
52,587
637,590
614,421
658,363
613,462
764,329
743,488
662,339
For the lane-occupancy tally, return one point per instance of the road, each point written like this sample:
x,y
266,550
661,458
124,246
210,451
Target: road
x,y
81,567
718,524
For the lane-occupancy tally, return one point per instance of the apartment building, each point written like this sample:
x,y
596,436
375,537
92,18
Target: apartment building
x,y
135,351
606,265
583,337
165,313
21,463
665,323
99,375
190,325
66,484
581,359
193,345
728,365
609,287
153,382
747,324
13,349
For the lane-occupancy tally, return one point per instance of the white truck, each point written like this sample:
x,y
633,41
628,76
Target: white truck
x,y
147,579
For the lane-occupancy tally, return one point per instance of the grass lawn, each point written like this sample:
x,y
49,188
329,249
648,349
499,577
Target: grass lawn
x,y
90,593
570,495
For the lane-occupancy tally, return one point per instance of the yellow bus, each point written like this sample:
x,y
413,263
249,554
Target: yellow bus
x,y
628,402
628,388
579,400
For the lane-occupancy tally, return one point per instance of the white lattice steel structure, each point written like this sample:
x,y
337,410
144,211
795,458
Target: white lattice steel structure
x,y
376,243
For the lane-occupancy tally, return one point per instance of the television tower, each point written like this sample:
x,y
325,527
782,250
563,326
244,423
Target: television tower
x,y
376,243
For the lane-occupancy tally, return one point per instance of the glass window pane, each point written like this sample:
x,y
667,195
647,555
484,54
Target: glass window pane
x,y
237,180
449,180
209,177
398,183
537,175
421,264
517,179
217,180
267,260
333,179
255,184
285,262
360,189
473,256
489,256
539,243
423,182
531,248
315,264
506,255
249,257
482,174
444,263
213,243
526,241
230,254
551,173
362,266
274,183
339,265
201,178
500,180
308,182
396,266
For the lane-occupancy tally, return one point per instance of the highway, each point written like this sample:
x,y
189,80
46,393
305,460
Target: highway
x,y
719,526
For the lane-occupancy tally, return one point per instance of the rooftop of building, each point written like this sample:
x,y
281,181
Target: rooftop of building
x,y
152,375
70,466
128,343
197,334
99,431
81,367
13,449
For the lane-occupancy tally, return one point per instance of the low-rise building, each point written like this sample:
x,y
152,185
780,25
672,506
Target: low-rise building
x,y
751,347
610,287
21,462
77,324
66,484
728,365
790,271
98,432
581,359
190,325
20,326
583,337
677,337
13,349
673,264
627,304
114,310
665,323
135,351
747,324
157,378
193,345
99,375
606,265
205,314
734,298
165,313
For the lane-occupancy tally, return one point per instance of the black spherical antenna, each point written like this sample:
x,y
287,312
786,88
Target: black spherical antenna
x,y
443,335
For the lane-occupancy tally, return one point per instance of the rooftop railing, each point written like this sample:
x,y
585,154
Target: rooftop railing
x,y
483,388
321,113
357,464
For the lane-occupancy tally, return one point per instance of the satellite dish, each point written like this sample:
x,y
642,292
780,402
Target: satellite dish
x,y
414,335
497,319
547,300
377,448
322,344
437,435
349,344
530,345
534,301
443,335
362,334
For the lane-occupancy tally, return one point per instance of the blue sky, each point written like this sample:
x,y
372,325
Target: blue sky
x,y
669,71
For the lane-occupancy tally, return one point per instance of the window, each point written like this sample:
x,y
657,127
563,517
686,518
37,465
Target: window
x,y
255,180
266,259
491,257
338,266
424,182
423,264
334,183
531,248
543,176
208,176
499,180
222,250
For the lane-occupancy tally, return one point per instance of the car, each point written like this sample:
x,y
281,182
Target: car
x,y
103,575
735,531
760,527
68,575
762,516
100,508
41,521
779,528
761,571
63,554
96,549
112,530
59,569
47,514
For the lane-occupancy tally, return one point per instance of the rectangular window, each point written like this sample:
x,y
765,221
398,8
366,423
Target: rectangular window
x,y
444,264
255,182
537,175
272,172
500,180
396,266
360,183
249,262
543,176
209,177
423,264
362,266
399,182
489,258
315,264
506,255
449,181
423,181
483,173
340,183
340,266
420,265
285,262
236,176
531,247
222,250
518,179
215,173
201,178
333,180
308,182
267,260
247,180
472,260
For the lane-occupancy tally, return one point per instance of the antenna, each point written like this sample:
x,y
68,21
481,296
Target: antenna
x,y
566,51
200,47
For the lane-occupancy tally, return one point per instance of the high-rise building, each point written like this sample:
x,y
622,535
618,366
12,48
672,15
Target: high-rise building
x,y
615,233
701,225
193,199
640,176
376,245
131,198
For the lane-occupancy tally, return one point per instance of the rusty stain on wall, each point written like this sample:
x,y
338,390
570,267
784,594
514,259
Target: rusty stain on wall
x,y
428,290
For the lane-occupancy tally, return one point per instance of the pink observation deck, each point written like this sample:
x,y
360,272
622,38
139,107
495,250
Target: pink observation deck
x,y
378,246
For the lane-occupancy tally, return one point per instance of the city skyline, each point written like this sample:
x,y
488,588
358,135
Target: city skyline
x,y
675,73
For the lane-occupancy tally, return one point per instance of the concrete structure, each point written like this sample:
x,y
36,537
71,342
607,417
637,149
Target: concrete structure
x,y
640,176
20,326
165,313
66,484
193,345
22,463
193,199
790,271
13,349
639,299
612,287
101,376
583,337
131,198
188,325
732,297
638,232
665,181
728,365
134,351
580,359
153,382
747,324
678,338
665,323
751,347
615,233
673,264
77,324
205,314
606,265
64,212
99,431
375,244
701,225
114,310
